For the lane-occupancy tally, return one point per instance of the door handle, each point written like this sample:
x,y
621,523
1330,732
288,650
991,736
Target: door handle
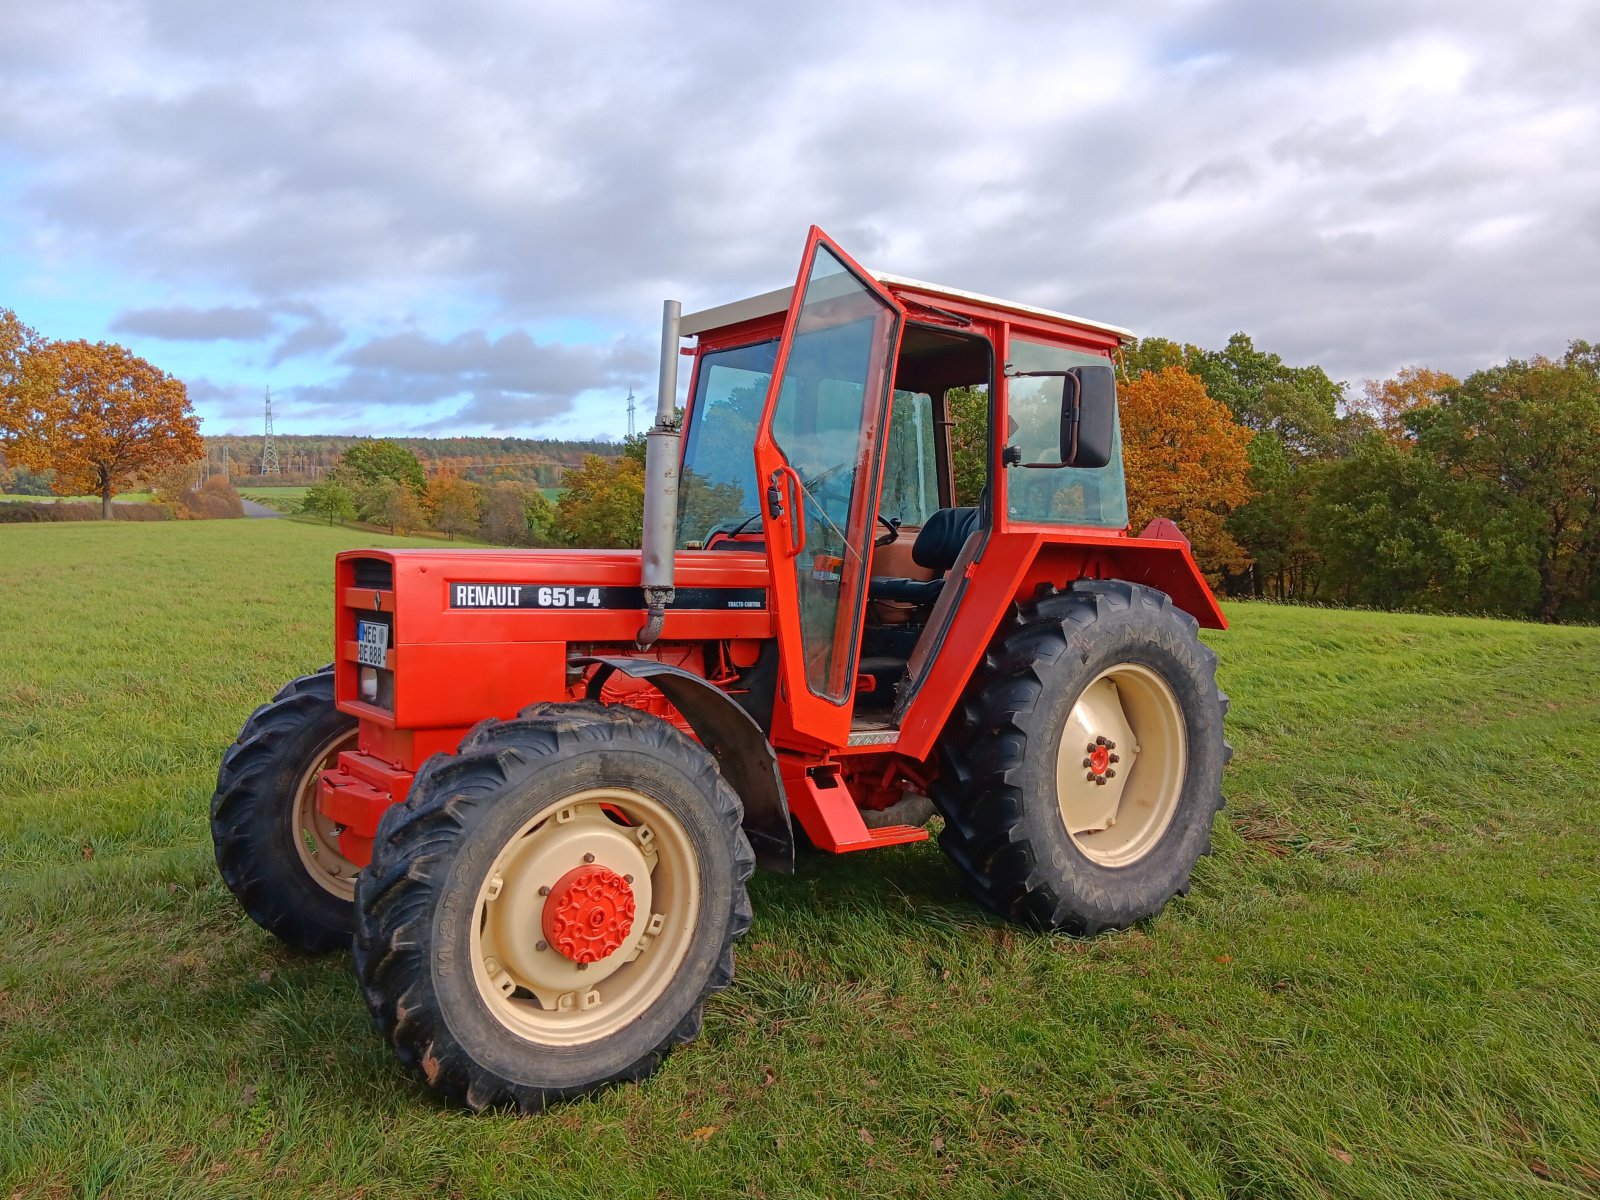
x,y
797,521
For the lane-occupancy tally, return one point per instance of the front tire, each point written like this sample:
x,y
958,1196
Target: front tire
x,y
276,852
548,911
1082,770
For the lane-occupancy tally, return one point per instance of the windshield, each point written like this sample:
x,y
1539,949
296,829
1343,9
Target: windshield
x,y
717,487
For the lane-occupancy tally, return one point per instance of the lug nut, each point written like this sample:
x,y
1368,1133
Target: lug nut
x,y
1111,772
1116,758
544,891
588,858
1091,777
1100,780
583,966
1101,740
1091,747
1088,762
541,945
627,879
1110,745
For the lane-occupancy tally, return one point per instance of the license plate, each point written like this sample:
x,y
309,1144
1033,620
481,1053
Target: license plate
x,y
372,644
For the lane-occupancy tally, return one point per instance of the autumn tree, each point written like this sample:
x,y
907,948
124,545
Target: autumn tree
x,y
1186,460
17,346
1391,402
390,502
453,503
515,514
603,505
100,416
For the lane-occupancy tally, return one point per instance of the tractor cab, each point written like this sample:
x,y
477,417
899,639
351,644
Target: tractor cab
x,y
876,438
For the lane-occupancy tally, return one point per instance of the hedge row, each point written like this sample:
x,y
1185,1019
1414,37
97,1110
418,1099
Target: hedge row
x,y
21,512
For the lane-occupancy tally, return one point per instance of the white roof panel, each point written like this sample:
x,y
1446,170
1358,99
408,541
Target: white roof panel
x,y
777,301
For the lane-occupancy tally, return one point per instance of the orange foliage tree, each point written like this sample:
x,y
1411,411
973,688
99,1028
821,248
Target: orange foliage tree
x,y
101,417
1391,402
17,345
1185,459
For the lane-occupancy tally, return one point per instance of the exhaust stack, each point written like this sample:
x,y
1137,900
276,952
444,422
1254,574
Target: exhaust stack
x,y
661,485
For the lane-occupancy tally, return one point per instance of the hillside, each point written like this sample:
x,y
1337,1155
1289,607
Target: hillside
x,y
304,458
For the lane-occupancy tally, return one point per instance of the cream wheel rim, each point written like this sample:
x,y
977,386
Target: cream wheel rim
x,y
530,985
316,837
1120,765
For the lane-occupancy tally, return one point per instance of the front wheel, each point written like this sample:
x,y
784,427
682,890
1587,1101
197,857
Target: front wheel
x,y
276,851
1083,768
547,912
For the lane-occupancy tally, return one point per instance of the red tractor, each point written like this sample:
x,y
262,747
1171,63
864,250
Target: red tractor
x,y
533,784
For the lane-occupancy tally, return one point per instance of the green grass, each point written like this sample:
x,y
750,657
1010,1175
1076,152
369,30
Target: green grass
x,y
1383,984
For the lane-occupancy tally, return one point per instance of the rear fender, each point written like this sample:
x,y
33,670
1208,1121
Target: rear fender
x,y
737,742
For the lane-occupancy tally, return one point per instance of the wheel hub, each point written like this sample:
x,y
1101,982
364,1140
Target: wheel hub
x,y
588,914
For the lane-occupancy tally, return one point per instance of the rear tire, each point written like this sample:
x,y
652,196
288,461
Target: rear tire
x,y
1082,769
456,953
278,855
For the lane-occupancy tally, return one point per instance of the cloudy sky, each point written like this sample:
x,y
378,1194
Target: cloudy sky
x,y
414,217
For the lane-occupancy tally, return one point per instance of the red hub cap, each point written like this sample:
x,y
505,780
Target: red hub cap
x,y
588,913
1099,759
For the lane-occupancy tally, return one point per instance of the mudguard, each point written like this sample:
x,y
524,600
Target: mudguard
x,y
740,747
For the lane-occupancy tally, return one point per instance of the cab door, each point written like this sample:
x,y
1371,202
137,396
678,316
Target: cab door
x,y
819,454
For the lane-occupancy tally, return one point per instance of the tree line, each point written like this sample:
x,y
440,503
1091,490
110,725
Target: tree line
x,y
383,483
1422,491
306,458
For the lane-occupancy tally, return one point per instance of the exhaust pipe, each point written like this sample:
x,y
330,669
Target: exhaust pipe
x,y
661,458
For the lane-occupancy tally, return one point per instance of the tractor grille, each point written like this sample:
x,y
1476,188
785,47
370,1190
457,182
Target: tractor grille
x,y
375,573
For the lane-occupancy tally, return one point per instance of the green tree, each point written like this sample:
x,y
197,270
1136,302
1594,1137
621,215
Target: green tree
x,y
603,505
330,498
371,462
967,411
1528,433
1396,529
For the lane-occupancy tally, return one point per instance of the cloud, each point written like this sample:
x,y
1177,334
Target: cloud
x,y
482,382
1367,184
227,323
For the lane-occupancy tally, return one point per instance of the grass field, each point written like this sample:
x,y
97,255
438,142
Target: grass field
x,y
1384,983
284,499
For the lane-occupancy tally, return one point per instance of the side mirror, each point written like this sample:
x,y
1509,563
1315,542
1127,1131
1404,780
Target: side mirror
x,y
1088,416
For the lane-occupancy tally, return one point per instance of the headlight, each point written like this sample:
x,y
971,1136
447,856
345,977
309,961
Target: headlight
x,y
369,684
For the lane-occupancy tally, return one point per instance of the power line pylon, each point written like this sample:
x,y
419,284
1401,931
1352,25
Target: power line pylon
x,y
269,449
631,407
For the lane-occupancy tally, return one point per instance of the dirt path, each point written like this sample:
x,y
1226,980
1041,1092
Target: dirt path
x,y
252,509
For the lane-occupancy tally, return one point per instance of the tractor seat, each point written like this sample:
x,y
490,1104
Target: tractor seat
x,y
937,547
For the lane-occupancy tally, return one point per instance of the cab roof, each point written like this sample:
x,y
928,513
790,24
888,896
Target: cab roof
x,y
769,303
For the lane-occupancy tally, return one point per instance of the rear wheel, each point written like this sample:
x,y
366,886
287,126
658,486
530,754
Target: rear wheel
x,y
276,851
1082,770
549,909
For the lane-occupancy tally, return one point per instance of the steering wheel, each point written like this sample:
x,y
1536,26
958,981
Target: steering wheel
x,y
892,524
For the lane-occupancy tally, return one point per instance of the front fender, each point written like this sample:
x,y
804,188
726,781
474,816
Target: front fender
x,y
741,749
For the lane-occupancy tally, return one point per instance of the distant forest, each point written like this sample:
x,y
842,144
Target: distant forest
x,y
308,458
